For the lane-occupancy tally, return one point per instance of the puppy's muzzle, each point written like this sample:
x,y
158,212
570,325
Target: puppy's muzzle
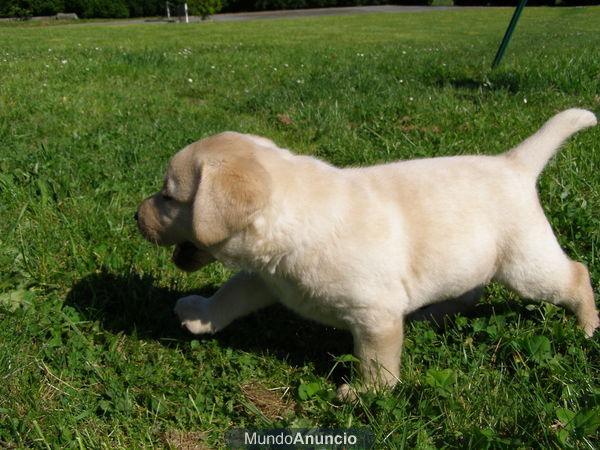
x,y
149,224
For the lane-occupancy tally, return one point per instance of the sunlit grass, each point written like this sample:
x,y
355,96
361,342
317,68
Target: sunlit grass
x,y
91,353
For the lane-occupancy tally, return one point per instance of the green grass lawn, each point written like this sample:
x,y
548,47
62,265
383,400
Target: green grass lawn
x,y
91,355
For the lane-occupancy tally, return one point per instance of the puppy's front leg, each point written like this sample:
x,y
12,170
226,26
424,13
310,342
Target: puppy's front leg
x,y
379,354
242,294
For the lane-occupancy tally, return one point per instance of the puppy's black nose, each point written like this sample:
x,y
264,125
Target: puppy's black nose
x,y
135,216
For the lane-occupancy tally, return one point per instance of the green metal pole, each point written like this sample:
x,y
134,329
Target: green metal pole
x,y
509,31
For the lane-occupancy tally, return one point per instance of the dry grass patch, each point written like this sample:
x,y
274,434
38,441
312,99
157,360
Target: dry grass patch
x,y
185,440
272,403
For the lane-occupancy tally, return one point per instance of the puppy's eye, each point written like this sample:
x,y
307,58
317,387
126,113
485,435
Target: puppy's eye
x,y
166,197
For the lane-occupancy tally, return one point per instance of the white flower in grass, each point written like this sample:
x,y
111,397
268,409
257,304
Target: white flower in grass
x,y
190,80
64,61
524,100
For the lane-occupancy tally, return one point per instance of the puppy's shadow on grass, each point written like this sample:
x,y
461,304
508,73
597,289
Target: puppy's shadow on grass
x,y
133,304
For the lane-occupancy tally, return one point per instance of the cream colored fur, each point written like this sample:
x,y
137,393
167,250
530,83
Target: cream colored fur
x,y
361,248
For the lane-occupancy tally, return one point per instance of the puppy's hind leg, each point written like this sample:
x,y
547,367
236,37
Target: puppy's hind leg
x,y
243,294
541,271
378,351
580,299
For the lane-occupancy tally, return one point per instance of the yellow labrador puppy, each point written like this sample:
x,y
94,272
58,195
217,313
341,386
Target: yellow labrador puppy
x,y
360,248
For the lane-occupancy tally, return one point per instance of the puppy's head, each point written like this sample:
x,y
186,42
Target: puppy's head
x,y
212,190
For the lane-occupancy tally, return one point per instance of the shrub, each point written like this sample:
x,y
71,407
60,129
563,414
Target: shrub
x,y
98,8
145,8
46,7
19,13
204,8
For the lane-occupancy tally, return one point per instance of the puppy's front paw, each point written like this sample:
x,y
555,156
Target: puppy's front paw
x,y
195,314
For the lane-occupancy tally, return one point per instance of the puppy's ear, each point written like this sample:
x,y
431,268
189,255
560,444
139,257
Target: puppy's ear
x,y
231,190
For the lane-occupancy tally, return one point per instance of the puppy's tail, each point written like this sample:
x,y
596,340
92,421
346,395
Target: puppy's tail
x,y
532,155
